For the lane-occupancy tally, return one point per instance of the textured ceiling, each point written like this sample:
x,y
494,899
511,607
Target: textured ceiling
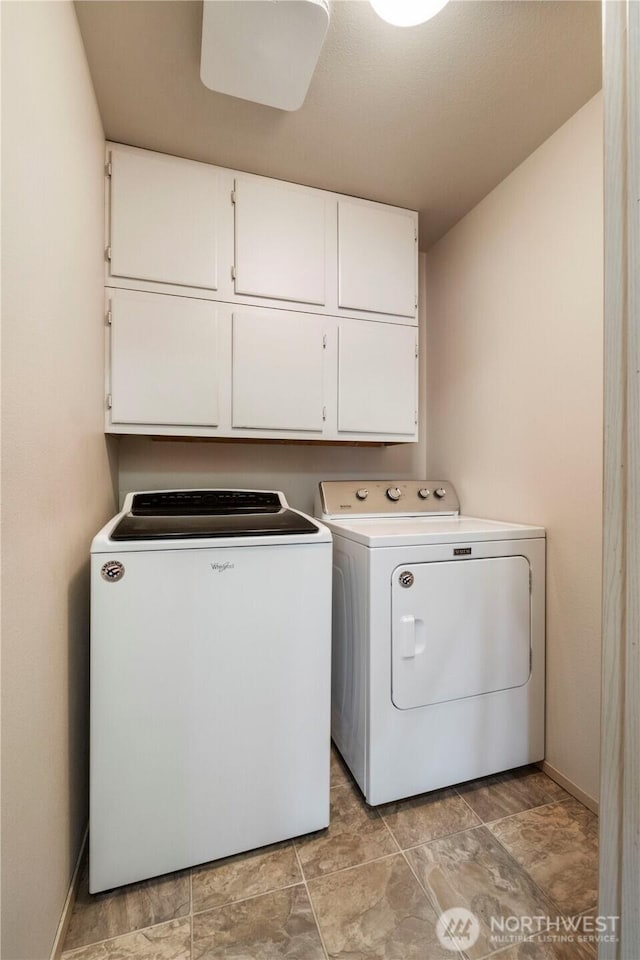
x,y
430,117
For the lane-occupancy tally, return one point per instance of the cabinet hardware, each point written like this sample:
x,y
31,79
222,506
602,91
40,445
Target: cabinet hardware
x,y
324,341
109,401
324,413
107,253
233,196
415,419
109,317
416,350
108,167
233,273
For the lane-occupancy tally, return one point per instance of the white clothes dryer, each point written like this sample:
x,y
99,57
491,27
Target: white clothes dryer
x,y
438,672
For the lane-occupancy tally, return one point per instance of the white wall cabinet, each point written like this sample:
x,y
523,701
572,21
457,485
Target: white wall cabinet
x,y
163,219
277,376
178,366
377,378
377,258
242,306
164,360
189,228
280,233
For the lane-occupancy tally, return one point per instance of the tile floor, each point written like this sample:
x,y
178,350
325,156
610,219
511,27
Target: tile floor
x,y
371,886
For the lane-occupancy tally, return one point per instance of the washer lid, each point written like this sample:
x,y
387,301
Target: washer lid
x,y
280,523
418,531
185,514
203,502
197,519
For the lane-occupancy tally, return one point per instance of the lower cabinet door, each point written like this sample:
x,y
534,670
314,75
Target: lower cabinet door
x,y
278,371
377,378
179,365
164,360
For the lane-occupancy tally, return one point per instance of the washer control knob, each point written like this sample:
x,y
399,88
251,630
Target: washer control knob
x,y
423,493
394,493
362,493
440,493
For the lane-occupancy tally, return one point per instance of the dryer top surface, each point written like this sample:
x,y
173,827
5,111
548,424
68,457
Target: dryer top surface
x,y
417,531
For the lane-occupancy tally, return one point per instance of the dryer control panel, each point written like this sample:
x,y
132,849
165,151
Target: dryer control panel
x,y
386,498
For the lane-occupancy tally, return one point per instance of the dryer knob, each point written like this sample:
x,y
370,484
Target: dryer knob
x,y
394,493
440,493
362,493
423,493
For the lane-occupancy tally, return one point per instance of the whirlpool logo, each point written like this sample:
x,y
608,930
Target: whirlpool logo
x,y
221,567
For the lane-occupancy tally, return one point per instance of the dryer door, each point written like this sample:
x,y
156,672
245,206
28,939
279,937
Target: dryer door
x,y
459,629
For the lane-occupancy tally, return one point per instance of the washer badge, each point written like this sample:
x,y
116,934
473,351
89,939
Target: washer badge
x,y
112,570
406,578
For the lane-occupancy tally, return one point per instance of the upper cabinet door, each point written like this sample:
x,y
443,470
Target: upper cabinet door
x,y
165,363
280,241
377,378
277,377
164,219
377,258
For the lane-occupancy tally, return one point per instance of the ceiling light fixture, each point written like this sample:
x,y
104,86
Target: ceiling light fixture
x,y
407,13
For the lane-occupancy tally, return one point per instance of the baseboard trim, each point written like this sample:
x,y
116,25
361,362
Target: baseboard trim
x,y
570,786
67,910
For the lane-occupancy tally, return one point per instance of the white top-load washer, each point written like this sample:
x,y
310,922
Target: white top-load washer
x,y
210,680
438,637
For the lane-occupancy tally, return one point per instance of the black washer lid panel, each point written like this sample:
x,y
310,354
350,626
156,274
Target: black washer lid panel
x,y
204,502
186,527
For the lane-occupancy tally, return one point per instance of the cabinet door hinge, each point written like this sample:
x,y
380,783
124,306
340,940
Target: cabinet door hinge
x,y
415,417
415,234
324,413
109,316
233,273
416,302
324,341
109,401
416,349
107,253
233,196
108,167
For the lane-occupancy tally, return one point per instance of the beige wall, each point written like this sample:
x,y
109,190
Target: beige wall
x,y
296,469
514,310
57,487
